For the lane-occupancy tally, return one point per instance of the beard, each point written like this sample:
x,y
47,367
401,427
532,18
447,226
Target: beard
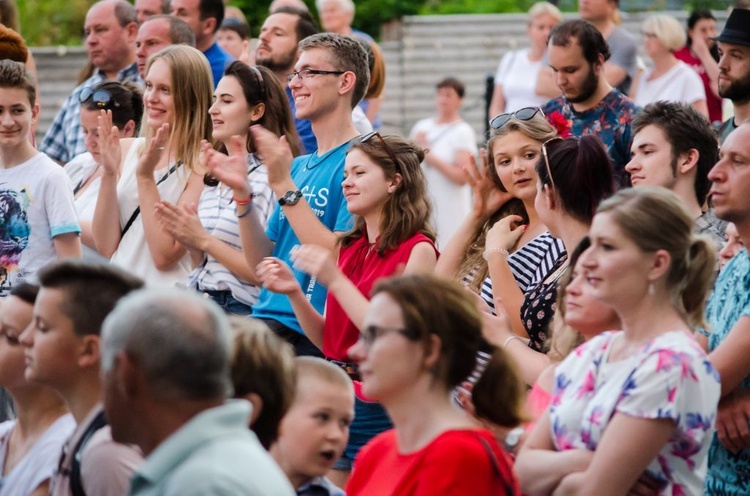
x,y
738,89
277,64
588,87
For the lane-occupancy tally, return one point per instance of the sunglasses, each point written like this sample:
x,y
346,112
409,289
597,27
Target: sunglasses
x,y
546,159
387,148
524,114
101,98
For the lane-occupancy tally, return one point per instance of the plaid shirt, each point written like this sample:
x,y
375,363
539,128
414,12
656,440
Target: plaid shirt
x,y
64,138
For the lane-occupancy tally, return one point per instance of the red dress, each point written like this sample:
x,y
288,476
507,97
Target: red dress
x,y
713,102
457,462
363,266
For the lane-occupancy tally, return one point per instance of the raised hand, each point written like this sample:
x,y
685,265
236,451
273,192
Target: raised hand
x,y
151,158
316,261
505,233
230,170
486,196
183,224
275,152
110,152
276,276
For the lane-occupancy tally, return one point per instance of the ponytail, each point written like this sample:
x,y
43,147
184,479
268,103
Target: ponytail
x,y
499,396
701,264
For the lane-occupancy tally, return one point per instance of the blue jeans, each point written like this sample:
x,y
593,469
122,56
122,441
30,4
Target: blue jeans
x,y
228,303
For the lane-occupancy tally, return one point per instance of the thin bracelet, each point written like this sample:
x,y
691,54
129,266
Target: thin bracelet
x,y
511,338
495,250
243,202
246,212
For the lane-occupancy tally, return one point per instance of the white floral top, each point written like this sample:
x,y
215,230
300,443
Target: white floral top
x,y
670,377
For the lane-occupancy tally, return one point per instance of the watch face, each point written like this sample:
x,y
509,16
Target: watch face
x,y
290,197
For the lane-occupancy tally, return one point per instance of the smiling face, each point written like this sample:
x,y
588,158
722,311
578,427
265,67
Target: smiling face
x,y
314,433
365,186
651,160
16,117
51,344
15,316
514,156
317,95
278,43
157,95
615,267
230,112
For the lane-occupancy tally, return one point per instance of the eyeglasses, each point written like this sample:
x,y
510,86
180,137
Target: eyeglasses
x,y
524,114
308,73
372,332
101,98
546,159
387,148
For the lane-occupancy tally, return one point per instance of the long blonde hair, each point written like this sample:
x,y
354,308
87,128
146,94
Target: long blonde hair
x,y
192,92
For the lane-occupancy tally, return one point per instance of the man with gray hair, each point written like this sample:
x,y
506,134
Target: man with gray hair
x,y
165,367
158,32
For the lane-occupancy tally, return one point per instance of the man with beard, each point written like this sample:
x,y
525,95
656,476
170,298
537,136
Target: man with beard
x,y
588,104
279,37
734,68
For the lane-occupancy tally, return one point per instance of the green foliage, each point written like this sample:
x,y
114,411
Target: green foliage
x,y
50,22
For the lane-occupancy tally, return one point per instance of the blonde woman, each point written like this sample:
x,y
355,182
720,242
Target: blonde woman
x,y
164,164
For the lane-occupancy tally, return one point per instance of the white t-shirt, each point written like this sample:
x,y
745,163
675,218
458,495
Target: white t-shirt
x,y
79,169
40,462
517,74
36,204
132,253
451,203
679,84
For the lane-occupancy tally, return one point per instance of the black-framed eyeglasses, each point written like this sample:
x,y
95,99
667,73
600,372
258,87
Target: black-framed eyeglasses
x,y
308,73
546,159
101,98
372,332
387,148
524,114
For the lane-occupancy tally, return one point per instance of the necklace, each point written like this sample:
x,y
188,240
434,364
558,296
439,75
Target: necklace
x,y
324,157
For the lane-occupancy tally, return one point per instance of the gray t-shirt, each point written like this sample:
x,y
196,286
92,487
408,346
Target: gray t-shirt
x,y
624,52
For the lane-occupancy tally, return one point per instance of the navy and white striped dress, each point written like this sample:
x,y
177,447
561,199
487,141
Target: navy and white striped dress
x,y
217,212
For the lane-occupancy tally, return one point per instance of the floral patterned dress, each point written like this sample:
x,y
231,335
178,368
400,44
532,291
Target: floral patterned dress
x,y
669,377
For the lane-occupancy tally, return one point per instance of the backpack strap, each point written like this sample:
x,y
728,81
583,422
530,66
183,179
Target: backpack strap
x,y
76,487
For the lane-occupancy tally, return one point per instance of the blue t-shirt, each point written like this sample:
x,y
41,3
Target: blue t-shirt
x,y
304,127
728,473
219,60
610,120
319,178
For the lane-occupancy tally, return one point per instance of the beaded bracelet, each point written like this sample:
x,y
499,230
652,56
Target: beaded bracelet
x,y
495,250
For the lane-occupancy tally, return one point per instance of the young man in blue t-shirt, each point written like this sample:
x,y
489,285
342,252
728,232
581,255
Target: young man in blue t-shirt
x,y
330,78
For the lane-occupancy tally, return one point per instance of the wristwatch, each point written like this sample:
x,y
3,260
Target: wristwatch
x,y
290,198
513,438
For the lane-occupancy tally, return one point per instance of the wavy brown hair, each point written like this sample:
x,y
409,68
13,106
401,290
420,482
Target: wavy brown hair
x,y
407,211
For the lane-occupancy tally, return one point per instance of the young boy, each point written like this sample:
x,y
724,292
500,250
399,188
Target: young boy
x,y
314,432
63,352
38,220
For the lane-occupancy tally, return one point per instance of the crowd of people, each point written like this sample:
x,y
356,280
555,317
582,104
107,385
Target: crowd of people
x,y
218,277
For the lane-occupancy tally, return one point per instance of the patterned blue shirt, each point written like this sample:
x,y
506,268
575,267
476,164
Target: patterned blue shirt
x,y
610,120
64,138
728,473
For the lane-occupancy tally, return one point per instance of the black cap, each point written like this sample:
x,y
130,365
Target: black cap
x,y
737,29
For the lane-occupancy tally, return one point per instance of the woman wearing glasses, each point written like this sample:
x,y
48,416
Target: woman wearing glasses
x,y
419,338
385,190
164,164
244,96
646,394
574,176
30,446
125,101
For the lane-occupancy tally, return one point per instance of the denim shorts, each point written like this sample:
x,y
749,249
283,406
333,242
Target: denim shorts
x,y
370,419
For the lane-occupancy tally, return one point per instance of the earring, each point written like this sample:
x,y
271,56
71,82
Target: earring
x,y
651,289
